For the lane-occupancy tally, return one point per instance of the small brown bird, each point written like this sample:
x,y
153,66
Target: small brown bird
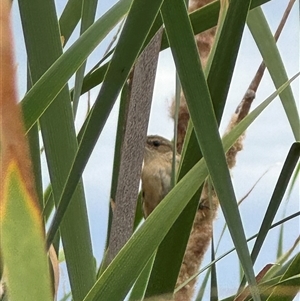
x,y
156,173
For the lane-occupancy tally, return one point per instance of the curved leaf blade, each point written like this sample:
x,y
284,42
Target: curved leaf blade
x,y
137,26
205,124
42,94
138,250
266,44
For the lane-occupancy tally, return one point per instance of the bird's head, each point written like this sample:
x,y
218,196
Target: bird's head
x,y
157,145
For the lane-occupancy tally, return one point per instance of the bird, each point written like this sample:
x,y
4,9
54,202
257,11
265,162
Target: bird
x,y
156,172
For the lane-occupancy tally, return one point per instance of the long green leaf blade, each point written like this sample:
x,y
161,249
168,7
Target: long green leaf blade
x,y
88,16
267,46
70,18
196,92
139,21
42,94
57,126
229,139
173,247
279,191
201,20
114,283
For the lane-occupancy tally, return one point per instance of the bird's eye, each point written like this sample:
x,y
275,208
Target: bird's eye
x,y
156,143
